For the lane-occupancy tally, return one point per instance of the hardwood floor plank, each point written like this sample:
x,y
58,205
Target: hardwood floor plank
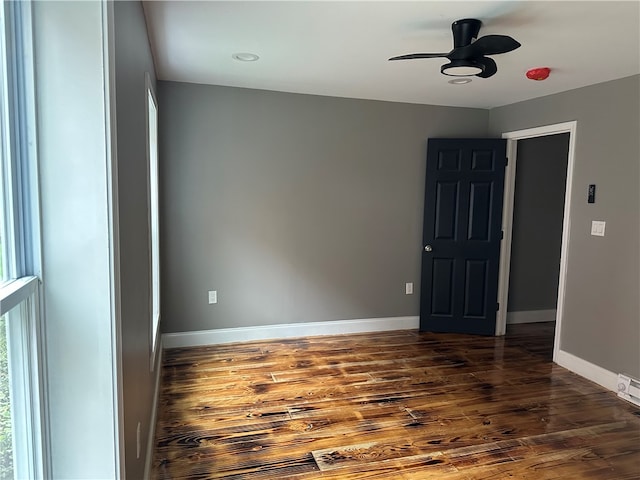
x,y
389,405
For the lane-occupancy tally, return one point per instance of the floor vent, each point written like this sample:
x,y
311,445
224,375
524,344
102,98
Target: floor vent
x,y
629,388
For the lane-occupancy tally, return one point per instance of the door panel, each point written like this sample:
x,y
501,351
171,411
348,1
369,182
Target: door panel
x,y
480,211
446,210
449,160
461,235
442,280
482,160
475,288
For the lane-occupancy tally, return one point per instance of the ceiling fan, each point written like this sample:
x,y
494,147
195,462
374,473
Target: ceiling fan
x,y
469,56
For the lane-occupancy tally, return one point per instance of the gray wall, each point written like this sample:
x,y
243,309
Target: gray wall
x,y
76,242
295,208
601,321
541,175
133,58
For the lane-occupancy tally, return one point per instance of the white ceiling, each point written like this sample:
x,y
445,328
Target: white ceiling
x,y
341,48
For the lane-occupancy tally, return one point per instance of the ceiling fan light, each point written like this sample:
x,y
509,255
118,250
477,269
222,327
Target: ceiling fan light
x,y
462,68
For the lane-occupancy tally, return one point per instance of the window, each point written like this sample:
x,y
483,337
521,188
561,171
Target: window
x,y
21,421
154,232
6,437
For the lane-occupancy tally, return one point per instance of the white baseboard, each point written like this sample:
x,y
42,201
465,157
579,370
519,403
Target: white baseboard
x,y
292,330
532,316
151,443
588,370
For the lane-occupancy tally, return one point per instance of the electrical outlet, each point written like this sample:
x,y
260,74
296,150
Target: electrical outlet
x,y
408,288
213,297
138,441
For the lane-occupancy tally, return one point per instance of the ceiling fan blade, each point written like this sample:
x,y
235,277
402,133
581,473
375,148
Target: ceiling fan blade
x,y
413,56
495,44
490,67
487,45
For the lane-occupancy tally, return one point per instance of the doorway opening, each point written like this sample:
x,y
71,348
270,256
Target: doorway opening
x,y
514,256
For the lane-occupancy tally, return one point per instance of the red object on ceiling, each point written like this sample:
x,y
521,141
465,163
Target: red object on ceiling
x,y
541,73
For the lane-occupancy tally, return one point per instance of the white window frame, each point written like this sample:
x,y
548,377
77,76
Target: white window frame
x,y
20,296
154,220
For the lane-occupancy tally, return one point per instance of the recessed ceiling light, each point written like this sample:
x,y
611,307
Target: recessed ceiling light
x,y
245,57
459,81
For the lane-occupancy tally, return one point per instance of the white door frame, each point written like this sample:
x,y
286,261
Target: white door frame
x,y
507,220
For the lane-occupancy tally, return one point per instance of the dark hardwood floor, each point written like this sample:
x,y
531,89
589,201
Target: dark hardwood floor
x,y
392,405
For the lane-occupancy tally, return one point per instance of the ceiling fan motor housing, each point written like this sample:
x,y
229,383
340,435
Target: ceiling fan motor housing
x,y
465,31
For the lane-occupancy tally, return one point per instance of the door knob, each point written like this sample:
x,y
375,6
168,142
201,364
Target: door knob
x,y
428,248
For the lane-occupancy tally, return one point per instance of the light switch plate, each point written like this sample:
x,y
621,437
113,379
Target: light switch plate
x,y
408,288
597,228
213,297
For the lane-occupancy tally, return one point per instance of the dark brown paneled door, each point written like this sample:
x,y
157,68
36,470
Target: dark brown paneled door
x,y
461,235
